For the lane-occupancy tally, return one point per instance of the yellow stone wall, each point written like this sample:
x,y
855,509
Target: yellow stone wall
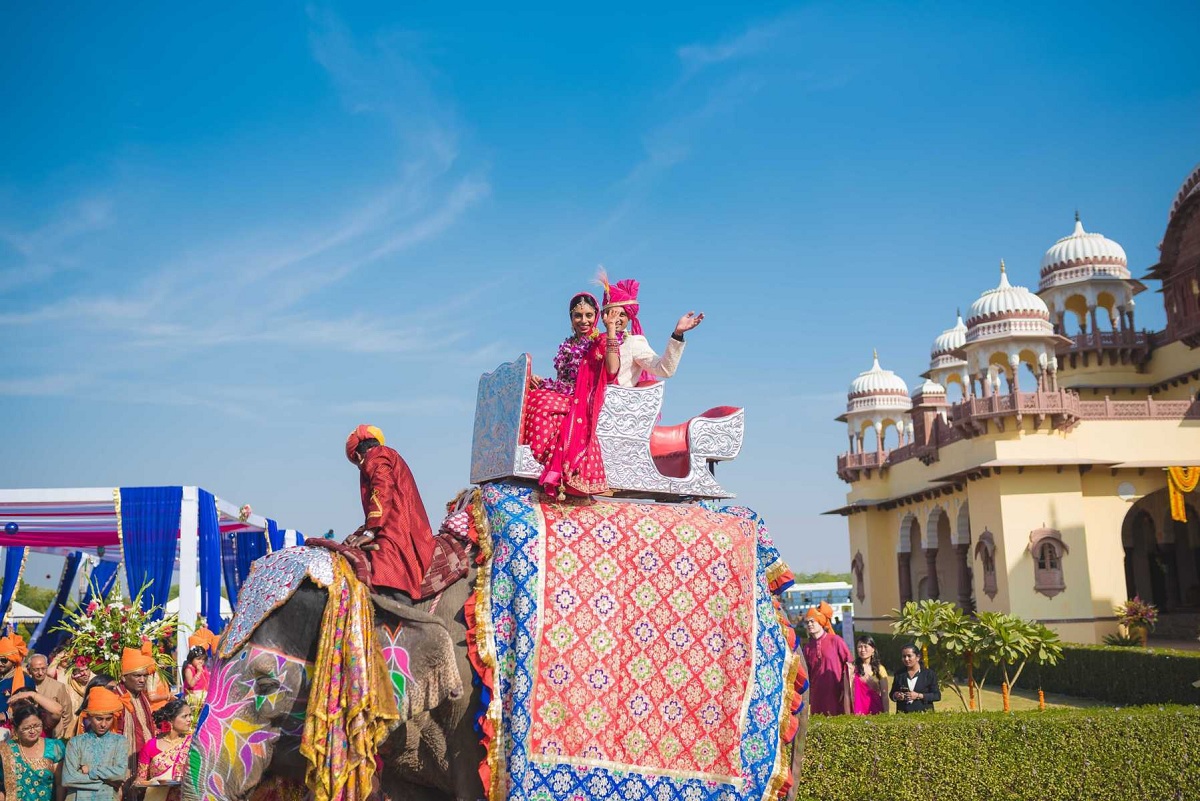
x,y
1080,502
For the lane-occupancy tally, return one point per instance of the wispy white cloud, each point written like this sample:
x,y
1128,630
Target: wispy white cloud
x,y
752,41
695,102
261,283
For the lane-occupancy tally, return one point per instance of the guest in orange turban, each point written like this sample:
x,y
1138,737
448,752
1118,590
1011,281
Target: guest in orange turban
x,y
12,677
97,761
137,664
102,701
136,659
829,663
202,638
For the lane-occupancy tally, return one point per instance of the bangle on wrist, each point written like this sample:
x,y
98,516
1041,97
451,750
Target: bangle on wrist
x,y
678,337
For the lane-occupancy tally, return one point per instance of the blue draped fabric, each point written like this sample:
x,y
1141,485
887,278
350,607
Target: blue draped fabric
x,y
274,535
45,639
299,538
229,567
14,565
210,563
100,583
149,541
250,545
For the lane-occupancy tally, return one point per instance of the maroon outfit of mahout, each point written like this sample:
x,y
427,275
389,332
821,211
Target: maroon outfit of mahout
x,y
394,510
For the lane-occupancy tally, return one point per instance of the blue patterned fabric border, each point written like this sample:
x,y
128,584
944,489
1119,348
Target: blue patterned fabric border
x,y
514,580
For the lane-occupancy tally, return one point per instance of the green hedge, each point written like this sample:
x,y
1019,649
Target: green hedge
x,y
1070,754
1120,676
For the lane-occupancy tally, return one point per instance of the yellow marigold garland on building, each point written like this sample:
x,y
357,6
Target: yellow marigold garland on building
x,y
1181,480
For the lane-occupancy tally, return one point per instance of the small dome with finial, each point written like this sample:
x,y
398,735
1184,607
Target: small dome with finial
x,y
1006,301
1081,256
951,339
930,388
877,381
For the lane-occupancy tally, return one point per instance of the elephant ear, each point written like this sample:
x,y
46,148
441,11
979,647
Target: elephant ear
x,y
419,655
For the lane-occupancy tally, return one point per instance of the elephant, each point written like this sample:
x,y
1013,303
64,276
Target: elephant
x,y
250,727
251,723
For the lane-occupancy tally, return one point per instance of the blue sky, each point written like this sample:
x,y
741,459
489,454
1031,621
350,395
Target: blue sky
x,y
227,238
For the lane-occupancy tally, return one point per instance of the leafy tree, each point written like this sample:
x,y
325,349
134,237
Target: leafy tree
x,y
36,598
821,577
989,641
945,636
1011,643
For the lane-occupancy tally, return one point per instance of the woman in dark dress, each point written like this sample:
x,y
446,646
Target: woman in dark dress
x,y
915,688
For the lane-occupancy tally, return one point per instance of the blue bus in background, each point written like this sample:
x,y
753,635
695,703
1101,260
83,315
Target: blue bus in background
x,y
799,597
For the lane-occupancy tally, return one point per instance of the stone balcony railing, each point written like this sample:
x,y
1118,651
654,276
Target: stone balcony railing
x,y
975,416
1117,347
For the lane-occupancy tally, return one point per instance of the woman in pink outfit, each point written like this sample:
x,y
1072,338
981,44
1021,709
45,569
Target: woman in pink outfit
x,y
560,415
868,680
828,661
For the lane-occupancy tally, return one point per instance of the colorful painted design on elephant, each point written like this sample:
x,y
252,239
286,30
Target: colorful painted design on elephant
x,y
255,699
396,657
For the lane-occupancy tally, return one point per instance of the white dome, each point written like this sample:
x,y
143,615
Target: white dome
x,y
1191,186
1006,300
930,387
1083,249
877,381
949,340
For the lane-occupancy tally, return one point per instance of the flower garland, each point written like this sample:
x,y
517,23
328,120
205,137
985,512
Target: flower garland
x,y
1180,481
104,628
570,356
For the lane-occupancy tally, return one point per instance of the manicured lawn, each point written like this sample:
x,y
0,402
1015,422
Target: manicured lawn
x,y
1020,700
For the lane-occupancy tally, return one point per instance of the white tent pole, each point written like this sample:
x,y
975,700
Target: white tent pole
x,y
189,549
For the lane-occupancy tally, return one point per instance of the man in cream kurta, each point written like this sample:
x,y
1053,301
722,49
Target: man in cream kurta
x,y
637,355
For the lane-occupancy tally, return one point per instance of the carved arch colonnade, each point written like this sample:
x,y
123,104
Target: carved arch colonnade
x,y
1162,556
933,557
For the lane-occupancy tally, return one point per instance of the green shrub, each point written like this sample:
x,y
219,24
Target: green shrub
x,y
1125,676
1073,754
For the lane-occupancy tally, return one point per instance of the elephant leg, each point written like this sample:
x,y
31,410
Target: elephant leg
x,y
397,790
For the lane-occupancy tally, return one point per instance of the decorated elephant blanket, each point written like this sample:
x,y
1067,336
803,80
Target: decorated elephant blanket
x,y
632,650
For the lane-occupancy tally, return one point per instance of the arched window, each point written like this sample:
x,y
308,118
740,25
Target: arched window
x,y
1047,548
1047,558
985,551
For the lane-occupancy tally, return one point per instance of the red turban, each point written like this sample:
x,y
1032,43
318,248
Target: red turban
x,y
359,434
823,614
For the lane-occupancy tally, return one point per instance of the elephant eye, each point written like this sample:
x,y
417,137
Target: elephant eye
x,y
266,685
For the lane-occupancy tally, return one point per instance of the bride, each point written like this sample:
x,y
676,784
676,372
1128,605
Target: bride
x,y
559,424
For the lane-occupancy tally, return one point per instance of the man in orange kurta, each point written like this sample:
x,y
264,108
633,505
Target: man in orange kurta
x,y
137,724
396,533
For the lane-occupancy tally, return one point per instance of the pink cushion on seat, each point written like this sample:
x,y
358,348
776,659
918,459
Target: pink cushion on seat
x,y
669,444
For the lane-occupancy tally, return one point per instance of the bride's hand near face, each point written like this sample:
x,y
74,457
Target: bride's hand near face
x,y
687,322
610,320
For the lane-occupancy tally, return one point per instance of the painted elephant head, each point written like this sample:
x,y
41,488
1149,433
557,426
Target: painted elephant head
x,y
253,715
252,720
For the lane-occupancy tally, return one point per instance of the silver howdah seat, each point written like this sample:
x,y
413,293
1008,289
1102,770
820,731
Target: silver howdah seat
x,y
641,458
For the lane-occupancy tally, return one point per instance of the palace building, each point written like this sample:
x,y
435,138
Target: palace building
x,y
1028,472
